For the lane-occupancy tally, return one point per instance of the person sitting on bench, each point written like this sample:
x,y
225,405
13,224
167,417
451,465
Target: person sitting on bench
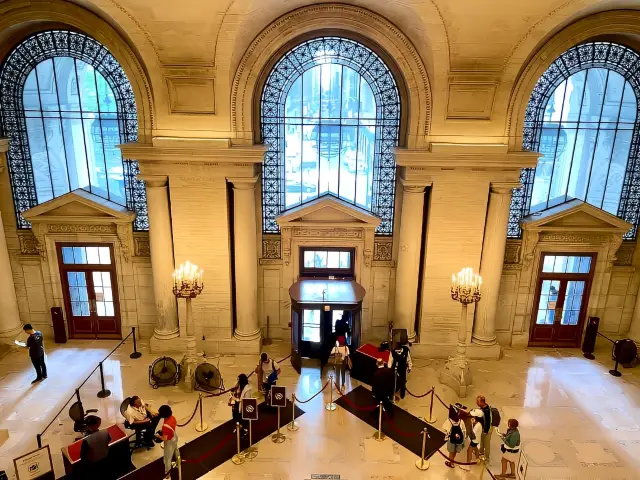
x,y
143,420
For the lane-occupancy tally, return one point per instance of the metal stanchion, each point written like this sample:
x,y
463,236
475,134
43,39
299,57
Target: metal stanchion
x,y
431,418
379,436
178,463
278,437
238,458
251,452
293,426
201,427
136,353
395,383
331,406
78,395
104,393
421,463
39,440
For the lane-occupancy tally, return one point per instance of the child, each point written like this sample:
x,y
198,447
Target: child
x,y
510,448
477,418
455,433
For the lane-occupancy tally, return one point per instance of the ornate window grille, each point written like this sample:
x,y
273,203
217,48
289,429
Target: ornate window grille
x,y
330,118
583,117
64,93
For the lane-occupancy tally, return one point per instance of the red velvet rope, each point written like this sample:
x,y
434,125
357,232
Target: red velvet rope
x,y
369,408
418,396
457,463
314,395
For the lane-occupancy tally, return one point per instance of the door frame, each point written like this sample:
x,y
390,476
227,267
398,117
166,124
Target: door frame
x,y
63,268
586,277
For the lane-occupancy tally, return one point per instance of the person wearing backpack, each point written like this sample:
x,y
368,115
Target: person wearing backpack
x,y
268,371
454,435
491,419
341,362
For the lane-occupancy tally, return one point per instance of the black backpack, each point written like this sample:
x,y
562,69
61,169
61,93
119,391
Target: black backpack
x,y
455,435
495,417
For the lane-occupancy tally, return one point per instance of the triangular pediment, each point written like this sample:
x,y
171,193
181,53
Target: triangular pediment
x,y
79,206
575,216
328,210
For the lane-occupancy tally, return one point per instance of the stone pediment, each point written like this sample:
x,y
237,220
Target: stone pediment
x,y
79,206
575,216
328,211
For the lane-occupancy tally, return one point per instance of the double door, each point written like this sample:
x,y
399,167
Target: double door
x,y
90,290
561,300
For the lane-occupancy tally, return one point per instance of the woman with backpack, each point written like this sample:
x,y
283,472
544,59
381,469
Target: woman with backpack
x,y
240,391
341,361
475,435
454,435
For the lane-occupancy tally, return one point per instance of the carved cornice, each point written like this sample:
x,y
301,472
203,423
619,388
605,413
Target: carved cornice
x,y
194,152
382,250
270,261
476,157
574,238
382,263
329,232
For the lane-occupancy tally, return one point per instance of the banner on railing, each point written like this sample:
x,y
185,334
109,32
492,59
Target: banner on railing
x,y
35,465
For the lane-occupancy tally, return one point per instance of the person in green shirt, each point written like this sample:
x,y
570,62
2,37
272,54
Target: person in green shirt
x,y
510,448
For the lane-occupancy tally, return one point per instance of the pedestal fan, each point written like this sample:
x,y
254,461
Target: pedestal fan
x,y
208,378
164,371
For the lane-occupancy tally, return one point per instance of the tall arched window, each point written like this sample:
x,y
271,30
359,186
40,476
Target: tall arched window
x,y
583,117
65,104
330,119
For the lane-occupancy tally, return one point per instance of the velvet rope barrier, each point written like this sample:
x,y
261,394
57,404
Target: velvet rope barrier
x,y
418,396
443,404
315,394
210,452
192,415
369,408
397,429
456,462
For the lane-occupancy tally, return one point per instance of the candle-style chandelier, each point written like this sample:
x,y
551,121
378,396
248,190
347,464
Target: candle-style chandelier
x,y
187,281
465,286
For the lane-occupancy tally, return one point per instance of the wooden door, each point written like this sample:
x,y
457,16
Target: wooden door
x,y
296,357
560,304
90,290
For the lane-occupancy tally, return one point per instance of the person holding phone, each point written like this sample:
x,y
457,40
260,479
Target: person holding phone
x,y
35,344
510,448
241,390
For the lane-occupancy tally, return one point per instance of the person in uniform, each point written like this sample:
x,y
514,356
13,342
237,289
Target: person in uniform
x,y
402,364
94,450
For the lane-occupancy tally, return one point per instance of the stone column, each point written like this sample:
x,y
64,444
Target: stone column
x,y
10,324
245,258
634,330
493,246
161,246
409,258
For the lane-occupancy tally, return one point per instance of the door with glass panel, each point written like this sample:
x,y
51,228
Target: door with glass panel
x,y
562,295
90,290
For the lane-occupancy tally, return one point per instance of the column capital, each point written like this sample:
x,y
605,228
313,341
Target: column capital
x,y
502,188
412,186
243,183
154,180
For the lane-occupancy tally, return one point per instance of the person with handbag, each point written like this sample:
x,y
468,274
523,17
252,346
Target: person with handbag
x,y
169,436
510,448
341,361
240,391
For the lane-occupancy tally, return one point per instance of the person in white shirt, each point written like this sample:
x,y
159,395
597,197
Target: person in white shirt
x,y
267,371
241,390
455,433
475,435
340,355
142,419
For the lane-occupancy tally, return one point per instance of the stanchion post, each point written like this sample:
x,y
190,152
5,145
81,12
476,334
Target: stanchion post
x,y
431,418
293,425
278,437
136,353
395,383
201,427
331,406
104,393
178,463
251,452
238,459
421,463
78,395
379,436
39,440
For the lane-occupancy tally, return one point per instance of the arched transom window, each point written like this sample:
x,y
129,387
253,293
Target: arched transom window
x,y
65,104
583,118
330,119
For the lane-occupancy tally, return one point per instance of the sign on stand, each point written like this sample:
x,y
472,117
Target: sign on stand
x,y
523,464
250,409
35,465
278,396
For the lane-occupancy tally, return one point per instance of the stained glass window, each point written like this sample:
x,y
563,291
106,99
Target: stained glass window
x,y
65,104
330,120
582,117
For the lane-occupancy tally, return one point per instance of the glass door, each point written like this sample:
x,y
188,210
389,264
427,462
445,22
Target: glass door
x,y
90,290
561,300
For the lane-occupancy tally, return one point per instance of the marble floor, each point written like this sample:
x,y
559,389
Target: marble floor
x,y
576,421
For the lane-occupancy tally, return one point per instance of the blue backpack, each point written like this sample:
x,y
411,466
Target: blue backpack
x,y
273,376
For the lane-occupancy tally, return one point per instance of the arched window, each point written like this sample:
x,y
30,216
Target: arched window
x,y
583,117
65,104
330,119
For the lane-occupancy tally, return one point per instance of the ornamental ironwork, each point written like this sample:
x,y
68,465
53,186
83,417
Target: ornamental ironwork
x,y
330,116
102,125
540,125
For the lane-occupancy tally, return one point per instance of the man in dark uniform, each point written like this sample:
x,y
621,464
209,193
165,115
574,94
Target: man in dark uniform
x,y
342,329
94,451
36,352
402,364
382,386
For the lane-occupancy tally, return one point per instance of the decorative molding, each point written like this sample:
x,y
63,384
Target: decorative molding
x,y
191,95
383,263
574,238
624,255
271,247
476,157
196,151
331,232
512,266
28,244
141,246
383,250
123,232
81,228
270,261
615,243
470,99
367,257
512,253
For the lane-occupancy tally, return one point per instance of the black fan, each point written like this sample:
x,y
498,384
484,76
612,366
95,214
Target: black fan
x,y
208,378
624,351
164,371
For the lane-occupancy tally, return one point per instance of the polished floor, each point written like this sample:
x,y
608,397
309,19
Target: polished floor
x,y
576,421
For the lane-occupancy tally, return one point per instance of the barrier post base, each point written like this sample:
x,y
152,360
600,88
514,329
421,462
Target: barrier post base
x,y
237,459
104,393
293,426
330,406
135,355
250,453
201,427
379,436
278,437
422,464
